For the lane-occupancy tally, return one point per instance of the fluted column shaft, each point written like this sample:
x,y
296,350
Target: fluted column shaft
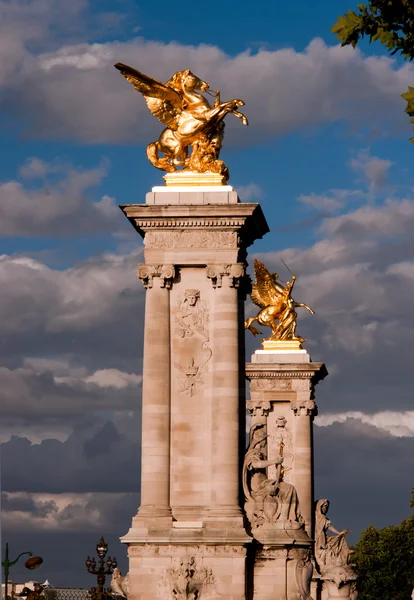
x,y
155,462
226,396
304,464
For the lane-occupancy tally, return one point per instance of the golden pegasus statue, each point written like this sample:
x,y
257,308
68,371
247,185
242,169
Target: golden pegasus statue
x,y
189,118
277,305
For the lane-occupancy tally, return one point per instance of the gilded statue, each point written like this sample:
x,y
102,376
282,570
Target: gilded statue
x,y
276,304
189,118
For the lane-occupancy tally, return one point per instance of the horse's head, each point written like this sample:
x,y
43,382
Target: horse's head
x,y
186,80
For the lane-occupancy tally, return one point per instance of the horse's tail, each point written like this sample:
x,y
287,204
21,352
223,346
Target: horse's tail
x,y
152,154
153,157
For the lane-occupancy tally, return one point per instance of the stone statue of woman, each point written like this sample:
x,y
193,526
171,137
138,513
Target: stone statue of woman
x,y
330,550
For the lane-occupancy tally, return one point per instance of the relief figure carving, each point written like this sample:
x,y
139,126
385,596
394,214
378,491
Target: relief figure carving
x,y
192,330
187,581
268,500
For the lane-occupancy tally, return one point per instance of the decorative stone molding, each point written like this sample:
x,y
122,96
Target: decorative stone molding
x,y
280,375
183,223
216,273
271,553
304,408
147,273
270,384
191,239
260,408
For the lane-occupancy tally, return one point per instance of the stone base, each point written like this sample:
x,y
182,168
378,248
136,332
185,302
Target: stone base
x,y
281,573
198,570
194,179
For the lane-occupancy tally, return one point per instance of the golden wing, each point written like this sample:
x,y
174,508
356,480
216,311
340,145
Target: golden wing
x,y
264,291
165,103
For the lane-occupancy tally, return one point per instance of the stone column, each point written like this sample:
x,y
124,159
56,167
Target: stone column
x,y
304,409
225,476
155,469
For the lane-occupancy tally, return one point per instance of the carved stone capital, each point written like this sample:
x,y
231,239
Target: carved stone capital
x,y
165,273
304,408
259,408
234,272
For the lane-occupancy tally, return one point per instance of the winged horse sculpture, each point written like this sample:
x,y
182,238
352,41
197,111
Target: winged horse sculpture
x,y
189,118
276,304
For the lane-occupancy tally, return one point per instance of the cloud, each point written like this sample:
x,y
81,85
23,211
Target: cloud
x,y
356,468
374,169
249,192
77,316
331,202
95,458
76,93
65,512
398,424
56,199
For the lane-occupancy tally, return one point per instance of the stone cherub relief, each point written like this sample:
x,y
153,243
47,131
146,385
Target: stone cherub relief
x,y
188,581
267,501
190,120
330,550
192,329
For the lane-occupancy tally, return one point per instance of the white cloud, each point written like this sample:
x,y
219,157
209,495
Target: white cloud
x,y
113,378
398,424
59,206
249,192
374,169
75,91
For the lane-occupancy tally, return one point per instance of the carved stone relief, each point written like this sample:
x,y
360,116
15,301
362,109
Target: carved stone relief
x,y
273,384
165,273
191,328
268,501
191,239
303,571
281,436
234,272
188,581
260,408
304,408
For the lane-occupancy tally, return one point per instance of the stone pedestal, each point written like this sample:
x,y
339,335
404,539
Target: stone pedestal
x,y
190,525
282,403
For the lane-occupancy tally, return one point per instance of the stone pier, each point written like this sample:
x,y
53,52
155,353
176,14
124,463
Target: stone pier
x,y
281,403
190,528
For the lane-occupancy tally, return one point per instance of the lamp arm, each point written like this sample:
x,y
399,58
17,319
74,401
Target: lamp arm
x,y
13,562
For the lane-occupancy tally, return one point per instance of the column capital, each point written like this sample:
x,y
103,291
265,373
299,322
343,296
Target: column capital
x,y
259,408
234,273
304,408
164,273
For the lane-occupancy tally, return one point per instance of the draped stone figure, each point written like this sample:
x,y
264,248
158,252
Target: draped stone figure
x,y
330,550
268,501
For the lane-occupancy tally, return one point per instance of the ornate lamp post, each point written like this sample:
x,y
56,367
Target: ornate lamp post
x,y
31,563
103,570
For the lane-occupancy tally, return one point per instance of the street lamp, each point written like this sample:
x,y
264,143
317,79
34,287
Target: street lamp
x,y
31,563
102,571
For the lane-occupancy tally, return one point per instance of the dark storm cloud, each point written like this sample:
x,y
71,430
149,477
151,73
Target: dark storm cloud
x,y
95,458
365,472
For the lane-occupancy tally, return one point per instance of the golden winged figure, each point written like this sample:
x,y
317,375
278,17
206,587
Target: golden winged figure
x,y
189,118
276,303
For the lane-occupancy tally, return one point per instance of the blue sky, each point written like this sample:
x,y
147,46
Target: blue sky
x,y
326,154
